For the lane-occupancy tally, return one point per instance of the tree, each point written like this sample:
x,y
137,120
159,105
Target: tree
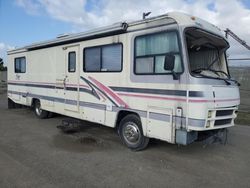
x,y
2,67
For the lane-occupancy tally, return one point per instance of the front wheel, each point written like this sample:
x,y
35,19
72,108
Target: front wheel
x,y
131,134
39,112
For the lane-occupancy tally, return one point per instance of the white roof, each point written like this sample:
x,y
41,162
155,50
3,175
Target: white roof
x,y
186,20
181,19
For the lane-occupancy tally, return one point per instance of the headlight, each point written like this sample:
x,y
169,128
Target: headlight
x,y
210,114
208,124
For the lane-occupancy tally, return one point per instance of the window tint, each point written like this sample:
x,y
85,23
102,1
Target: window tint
x,y
72,62
145,65
150,53
103,58
92,59
111,58
20,65
159,64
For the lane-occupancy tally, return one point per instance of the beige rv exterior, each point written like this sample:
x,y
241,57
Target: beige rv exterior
x,y
108,74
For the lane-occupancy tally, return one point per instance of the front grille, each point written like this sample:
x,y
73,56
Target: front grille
x,y
224,113
222,122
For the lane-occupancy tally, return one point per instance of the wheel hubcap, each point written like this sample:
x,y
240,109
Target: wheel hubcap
x,y
38,109
131,133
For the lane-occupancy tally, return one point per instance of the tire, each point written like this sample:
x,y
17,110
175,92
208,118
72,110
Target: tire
x,y
41,114
51,115
131,134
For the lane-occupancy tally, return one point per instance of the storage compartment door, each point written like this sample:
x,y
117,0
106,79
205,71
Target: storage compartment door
x,y
160,124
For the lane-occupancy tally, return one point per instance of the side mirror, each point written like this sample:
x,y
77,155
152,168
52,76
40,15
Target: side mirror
x,y
169,62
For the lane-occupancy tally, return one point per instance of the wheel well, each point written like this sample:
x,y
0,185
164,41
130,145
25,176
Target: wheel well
x,y
121,115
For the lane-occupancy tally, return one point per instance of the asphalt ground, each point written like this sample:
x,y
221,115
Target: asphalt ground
x,y
34,153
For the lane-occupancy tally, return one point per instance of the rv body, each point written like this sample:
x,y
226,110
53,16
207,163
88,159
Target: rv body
x,y
111,73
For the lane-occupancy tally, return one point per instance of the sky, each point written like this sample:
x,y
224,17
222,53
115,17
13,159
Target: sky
x,y
26,21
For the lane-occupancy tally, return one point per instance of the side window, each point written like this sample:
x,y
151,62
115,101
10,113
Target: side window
x,y
20,65
150,51
71,61
92,59
106,58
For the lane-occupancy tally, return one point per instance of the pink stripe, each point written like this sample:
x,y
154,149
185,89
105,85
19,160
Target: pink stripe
x,y
109,92
200,100
81,85
84,86
226,100
120,101
151,97
50,83
221,100
176,99
71,84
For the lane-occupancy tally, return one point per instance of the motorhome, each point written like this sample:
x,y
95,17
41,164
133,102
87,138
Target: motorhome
x,y
163,77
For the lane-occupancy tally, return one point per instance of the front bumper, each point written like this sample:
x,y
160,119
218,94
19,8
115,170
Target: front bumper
x,y
217,119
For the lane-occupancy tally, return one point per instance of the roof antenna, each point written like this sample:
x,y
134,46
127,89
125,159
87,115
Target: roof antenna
x,y
145,14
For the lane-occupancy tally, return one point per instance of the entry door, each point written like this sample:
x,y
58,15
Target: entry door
x,y
71,80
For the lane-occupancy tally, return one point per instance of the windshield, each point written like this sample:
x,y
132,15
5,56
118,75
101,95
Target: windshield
x,y
206,53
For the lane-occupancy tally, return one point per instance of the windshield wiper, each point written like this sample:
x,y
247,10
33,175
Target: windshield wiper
x,y
212,70
229,79
235,81
218,78
226,80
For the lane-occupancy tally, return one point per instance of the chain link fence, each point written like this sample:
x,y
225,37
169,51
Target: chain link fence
x,y
242,75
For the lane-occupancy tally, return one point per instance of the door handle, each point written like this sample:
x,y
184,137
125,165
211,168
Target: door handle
x,y
64,82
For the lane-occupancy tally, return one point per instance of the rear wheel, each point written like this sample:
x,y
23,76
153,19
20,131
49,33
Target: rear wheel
x,y
131,134
39,112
